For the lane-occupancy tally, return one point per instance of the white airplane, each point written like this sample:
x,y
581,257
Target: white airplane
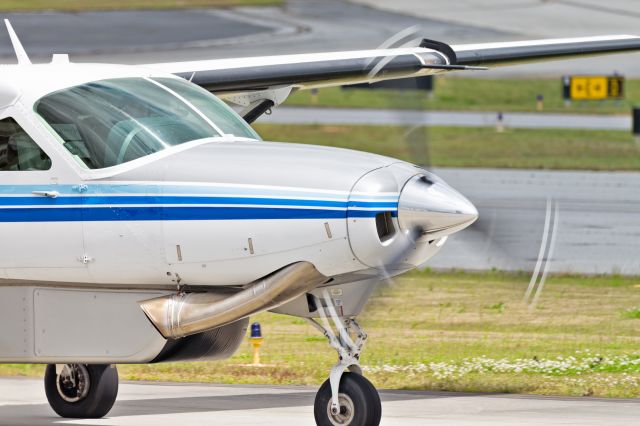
x,y
144,221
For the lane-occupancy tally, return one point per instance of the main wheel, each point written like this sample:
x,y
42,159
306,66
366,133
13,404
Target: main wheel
x,y
359,403
81,390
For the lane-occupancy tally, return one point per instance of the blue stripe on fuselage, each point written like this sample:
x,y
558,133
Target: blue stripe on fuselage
x,y
135,202
72,214
135,199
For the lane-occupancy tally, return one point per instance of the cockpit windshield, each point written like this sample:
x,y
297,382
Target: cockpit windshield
x,y
110,122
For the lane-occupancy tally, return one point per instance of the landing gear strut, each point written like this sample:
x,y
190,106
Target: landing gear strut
x,y
81,390
346,398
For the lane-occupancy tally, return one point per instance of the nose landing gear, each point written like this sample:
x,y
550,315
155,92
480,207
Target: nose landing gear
x,y
346,398
81,390
359,403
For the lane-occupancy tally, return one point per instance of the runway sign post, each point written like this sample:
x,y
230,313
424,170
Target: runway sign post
x,y
592,87
635,128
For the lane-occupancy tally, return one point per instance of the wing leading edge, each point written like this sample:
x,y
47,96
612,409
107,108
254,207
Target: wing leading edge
x,y
500,54
304,71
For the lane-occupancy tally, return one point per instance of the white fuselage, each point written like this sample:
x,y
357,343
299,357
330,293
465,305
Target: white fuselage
x,y
207,212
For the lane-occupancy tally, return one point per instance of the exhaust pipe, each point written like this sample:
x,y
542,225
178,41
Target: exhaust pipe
x,y
179,315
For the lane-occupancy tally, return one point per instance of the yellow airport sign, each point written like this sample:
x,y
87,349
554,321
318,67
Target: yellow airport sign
x,y
593,88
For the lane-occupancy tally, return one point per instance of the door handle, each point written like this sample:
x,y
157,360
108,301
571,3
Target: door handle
x,y
50,194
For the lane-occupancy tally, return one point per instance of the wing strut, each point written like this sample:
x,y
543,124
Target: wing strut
x,y
263,107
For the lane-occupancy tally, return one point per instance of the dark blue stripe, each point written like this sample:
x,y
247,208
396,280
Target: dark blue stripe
x,y
134,199
72,214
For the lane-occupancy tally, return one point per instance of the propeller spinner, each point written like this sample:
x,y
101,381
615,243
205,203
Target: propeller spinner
x,y
434,208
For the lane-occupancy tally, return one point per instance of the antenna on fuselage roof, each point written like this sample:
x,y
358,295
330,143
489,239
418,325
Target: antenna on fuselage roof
x,y
21,54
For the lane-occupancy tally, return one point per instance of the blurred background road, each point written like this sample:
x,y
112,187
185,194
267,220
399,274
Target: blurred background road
x,y
390,117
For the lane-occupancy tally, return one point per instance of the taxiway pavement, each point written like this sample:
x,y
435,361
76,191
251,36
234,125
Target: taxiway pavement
x,y
22,402
386,117
597,229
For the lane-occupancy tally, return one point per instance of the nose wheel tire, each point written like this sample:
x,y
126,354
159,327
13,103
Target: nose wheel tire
x,y
359,403
81,390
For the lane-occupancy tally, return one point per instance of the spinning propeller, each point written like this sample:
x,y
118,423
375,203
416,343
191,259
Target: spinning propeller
x,y
435,223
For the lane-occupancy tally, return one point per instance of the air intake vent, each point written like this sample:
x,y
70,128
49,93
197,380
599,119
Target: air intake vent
x,y
384,225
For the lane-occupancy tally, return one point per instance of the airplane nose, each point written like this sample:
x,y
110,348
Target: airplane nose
x,y
431,208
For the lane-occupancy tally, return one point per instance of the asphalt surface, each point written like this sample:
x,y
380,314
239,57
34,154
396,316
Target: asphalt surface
x,y
384,117
301,26
598,230
126,31
22,402
552,18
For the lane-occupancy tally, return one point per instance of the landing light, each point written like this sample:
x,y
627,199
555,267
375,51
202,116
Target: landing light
x,y
256,331
256,341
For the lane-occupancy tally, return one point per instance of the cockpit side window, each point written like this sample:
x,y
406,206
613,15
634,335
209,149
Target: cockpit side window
x,y
18,151
109,122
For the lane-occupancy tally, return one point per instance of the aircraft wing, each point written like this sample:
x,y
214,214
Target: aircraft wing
x,y
304,71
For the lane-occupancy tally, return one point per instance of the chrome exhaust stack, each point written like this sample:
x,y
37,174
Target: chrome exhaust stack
x,y
179,315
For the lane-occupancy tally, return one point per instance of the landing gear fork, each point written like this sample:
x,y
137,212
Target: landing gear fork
x,y
348,339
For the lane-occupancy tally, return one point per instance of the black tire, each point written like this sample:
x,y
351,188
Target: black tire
x,y
364,402
100,397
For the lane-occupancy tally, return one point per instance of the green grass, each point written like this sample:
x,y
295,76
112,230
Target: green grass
x,y
436,330
475,147
633,313
453,93
82,5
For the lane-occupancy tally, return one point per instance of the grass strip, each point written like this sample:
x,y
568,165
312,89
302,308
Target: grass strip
x,y
471,94
475,147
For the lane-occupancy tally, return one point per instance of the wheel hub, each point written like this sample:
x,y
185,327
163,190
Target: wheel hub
x,y
346,413
73,382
